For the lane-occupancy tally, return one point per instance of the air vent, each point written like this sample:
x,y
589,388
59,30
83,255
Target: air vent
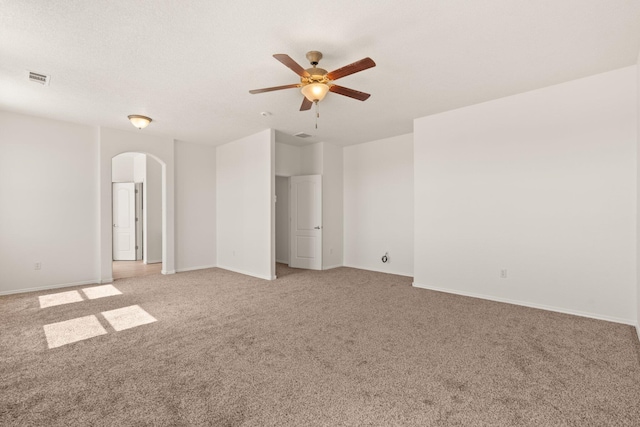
x,y
43,79
302,135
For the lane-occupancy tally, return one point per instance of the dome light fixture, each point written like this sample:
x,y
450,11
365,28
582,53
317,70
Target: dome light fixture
x,y
138,121
315,92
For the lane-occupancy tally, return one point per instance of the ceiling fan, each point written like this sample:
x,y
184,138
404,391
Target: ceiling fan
x,y
316,82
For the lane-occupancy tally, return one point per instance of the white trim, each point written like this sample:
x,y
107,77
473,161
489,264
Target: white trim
x,y
153,261
528,304
282,262
168,272
107,280
44,288
202,267
379,271
638,330
246,273
329,267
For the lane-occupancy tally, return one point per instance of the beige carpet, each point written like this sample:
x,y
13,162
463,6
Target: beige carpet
x,y
339,347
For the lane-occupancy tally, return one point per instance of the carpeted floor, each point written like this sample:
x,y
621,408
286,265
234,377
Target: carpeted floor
x,y
314,348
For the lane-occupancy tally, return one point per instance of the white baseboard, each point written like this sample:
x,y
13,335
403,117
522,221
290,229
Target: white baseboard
x,y
282,262
377,270
44,288
246,273
329,267
202,267
107,280
638,330
153,261
528,304
168,271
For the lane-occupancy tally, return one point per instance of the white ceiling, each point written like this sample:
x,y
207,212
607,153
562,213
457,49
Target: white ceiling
x,y
190,64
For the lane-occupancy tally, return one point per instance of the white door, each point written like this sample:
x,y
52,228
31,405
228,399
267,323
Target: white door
x,y
306,222
124,221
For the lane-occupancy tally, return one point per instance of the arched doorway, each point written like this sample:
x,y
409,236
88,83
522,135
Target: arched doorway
x,y
112,143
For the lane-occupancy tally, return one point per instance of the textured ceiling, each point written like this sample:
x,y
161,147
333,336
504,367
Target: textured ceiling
x,y
190,64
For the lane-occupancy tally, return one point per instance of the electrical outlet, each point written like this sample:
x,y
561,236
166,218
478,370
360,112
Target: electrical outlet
x,y
37,266
503,273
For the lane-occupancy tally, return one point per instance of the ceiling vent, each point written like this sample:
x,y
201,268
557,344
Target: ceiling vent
x,y
43,79
302,135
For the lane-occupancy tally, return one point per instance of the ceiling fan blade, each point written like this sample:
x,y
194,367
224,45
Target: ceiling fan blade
x,y
355,94
270,89
306,104
357,66
295,67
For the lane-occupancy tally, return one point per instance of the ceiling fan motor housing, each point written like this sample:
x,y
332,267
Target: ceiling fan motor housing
x,y
316,75
314,57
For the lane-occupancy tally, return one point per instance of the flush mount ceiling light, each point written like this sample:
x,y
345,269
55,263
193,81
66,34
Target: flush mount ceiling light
x,y
138,121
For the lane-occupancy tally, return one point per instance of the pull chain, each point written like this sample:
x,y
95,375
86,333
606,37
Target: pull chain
x,y
317,114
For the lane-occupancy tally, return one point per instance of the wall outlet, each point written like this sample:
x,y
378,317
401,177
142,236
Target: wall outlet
x,y
503,273
37,266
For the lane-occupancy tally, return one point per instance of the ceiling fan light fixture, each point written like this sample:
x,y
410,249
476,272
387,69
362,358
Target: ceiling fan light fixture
x,y
315,92
138,121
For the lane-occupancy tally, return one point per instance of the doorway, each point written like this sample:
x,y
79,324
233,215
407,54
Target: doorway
x,y
298,221
137,215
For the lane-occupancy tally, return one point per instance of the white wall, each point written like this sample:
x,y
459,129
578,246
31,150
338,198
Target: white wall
x,y
139,167
282,219
378,205
195,206
59,174
49,203
152,201
245,181
123,167
288,160
542,184
311,159
332,206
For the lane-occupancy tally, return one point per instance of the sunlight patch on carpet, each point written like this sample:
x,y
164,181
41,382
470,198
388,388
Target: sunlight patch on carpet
x,y
52,300
101,291
70,331
128,317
